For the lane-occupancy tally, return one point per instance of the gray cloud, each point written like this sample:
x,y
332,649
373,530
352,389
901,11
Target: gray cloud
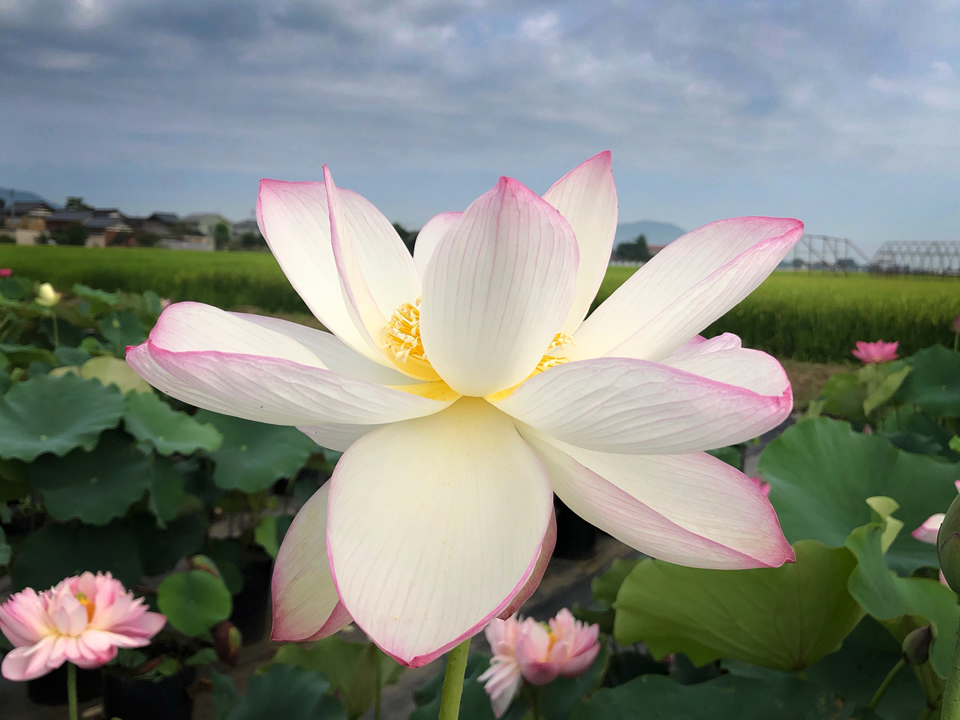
x,y
688,89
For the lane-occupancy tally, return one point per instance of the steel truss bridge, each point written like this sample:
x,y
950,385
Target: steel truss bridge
x,y
833,254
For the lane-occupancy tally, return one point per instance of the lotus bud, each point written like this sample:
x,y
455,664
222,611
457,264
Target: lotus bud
x,y
948,546
47,296
202,562
916,645
226,642
956,325
5,272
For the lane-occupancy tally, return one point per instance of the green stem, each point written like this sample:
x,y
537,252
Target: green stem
x,y
887,682
72,691
56,334
950,710
378,682
453,681
535,703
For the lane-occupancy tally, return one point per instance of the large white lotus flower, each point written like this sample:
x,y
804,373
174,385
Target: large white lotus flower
x,y
466,388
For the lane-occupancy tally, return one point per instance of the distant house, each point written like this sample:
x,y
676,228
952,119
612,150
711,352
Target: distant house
x,y
105,228
161,224
207,222
60,220
245,226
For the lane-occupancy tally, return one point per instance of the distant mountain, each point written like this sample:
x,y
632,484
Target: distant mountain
x,y
657,233
23,196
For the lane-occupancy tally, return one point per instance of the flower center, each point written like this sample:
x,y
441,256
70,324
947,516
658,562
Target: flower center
x,y
88,604
402,342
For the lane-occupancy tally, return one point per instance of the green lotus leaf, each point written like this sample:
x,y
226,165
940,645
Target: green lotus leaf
x,y
54,552
55,415
94,486
784,618
821,473
194,601
153,422
253,456
729,697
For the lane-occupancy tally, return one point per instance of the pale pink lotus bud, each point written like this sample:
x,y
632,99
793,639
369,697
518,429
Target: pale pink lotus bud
x,y
875,352
6,272
955,326
928,531
764,486
83,620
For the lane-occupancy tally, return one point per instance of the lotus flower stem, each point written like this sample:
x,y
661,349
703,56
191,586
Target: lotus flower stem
x,y
885,685
72,690
951,691
378,681
453,681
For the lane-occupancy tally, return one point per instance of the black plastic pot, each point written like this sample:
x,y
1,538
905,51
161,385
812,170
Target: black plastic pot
x,y
250,605
51,689
576,538
133,698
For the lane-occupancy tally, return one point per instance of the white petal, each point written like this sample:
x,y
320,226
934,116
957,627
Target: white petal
x,y
638,407
429,237
305,601
691,510
722,359
587,197
497,290
218,361
685,287
296,221
334,436
335,354
434,525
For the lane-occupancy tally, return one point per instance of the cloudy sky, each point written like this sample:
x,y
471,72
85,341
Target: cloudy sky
x,y
844,113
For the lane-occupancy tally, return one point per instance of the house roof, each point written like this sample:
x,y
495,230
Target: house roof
x,y
23,207
105,223
164,217
69,216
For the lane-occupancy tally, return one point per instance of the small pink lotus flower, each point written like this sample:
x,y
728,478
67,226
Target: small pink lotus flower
x,y
764,486
876,352
83,620
528,650
6,272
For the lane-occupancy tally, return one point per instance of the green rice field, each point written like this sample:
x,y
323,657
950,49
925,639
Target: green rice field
x,y
804,316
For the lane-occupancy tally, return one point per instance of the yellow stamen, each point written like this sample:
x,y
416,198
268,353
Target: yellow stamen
x,y
88,604
402,342
550,357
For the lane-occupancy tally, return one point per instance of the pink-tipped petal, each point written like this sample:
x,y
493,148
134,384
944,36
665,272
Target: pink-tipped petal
x,y
295,221
587,197
690,510
685,287
220,362
305,601
930,529
630,406
430,236
497,290
543,559
371,296
434,525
